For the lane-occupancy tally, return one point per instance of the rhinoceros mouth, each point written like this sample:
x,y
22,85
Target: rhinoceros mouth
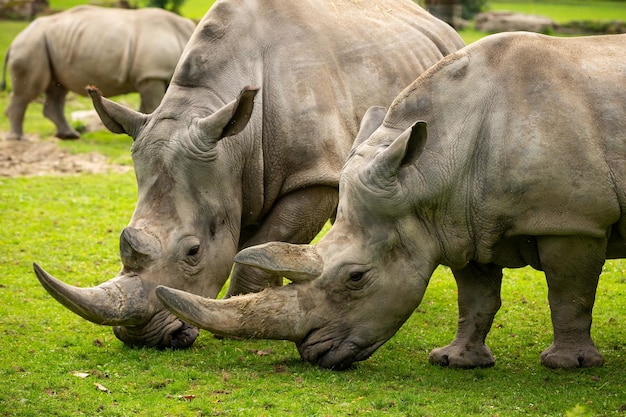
x,y
333,353
162,331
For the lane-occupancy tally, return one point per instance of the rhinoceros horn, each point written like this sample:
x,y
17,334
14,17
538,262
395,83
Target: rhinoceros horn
x,y
275,313
271,314
297,263
138,248
121,301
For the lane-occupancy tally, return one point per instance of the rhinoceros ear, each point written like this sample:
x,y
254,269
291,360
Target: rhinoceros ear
x,y
404,150
297,263
230,119
372,119
117,118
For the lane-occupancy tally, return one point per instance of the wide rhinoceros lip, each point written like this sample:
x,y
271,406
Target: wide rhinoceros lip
x,y
163,331
332,353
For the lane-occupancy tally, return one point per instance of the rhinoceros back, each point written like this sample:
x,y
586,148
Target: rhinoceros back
x,y
534,117
114,49
316,62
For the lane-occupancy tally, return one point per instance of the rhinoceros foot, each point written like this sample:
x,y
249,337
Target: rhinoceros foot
x,y
462,356
68,134
585,356
16,136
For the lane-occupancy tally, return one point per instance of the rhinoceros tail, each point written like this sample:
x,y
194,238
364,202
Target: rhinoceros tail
x,y
3,85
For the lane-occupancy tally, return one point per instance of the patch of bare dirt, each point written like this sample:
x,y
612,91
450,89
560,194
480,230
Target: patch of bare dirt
x,y
36,157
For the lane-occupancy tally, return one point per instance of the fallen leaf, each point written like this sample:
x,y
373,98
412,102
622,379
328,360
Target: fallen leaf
x,y
101,387
260,352
80,374
186,397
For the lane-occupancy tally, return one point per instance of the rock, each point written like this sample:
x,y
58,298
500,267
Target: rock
x,y
501,21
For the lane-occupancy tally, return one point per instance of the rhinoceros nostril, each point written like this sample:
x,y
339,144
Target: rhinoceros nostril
x,y
185,336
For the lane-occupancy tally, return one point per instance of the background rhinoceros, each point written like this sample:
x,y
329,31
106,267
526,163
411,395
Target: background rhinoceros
x,y
217,173
524,165
118,50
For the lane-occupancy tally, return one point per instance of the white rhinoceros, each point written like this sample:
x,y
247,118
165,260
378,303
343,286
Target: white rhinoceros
x,y
523,165
118,50
215,175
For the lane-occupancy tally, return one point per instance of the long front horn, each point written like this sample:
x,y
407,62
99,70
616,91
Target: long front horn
x,y
271,314
121,301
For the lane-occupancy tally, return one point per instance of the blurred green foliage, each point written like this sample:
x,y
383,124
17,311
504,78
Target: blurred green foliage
x,y
171,5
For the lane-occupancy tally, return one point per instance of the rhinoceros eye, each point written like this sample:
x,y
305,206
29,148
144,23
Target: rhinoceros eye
x,y
357,279
193,251
356,276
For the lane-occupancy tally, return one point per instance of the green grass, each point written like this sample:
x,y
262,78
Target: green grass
x,y
71,225
563,11
193,9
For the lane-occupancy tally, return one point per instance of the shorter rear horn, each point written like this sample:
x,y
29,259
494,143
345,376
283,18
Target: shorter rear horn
x,y
297,263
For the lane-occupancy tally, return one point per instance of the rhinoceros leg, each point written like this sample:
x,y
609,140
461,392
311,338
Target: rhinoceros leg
x,y
479,300
151,93
29,78
296,218
53,108
572,266
15,112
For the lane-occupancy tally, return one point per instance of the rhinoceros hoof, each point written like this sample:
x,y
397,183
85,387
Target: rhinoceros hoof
x,y
15,136
572,357
70,135
456,356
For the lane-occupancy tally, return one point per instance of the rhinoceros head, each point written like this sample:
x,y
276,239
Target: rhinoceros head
x,y
354,289
185,229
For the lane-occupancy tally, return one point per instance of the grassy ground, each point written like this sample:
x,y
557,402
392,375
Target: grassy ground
x,y
561,11
566,10
71,226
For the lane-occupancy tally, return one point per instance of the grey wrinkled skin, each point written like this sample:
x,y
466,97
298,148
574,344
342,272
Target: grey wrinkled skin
x,y
508,153
249,140
118,50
